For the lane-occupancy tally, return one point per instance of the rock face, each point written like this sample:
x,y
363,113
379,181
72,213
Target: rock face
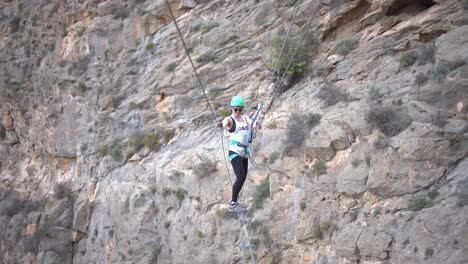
x,y
109,152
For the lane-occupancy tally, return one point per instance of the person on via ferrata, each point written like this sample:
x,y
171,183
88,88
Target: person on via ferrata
x,y
239,127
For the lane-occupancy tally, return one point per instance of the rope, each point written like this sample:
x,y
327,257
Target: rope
x,y
301,42
287,35
200,82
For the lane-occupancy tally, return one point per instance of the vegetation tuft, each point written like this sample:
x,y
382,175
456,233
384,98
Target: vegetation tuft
x,y
299,126
419,203
262,191
205,167
209,25
171,67
273,156
344,47
180,194
330,95
320,168
390,120
206,57
116,150
322,228
151,140
295,49
408,58
149,46
374,93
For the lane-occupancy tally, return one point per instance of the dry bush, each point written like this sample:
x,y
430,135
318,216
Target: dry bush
x,y
390,120
331,95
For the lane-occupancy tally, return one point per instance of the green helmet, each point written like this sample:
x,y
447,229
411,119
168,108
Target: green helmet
x,y
237,101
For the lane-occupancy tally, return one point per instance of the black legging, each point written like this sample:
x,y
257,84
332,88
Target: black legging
x,y
240,166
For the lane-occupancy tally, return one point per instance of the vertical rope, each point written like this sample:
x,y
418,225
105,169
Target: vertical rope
x,y
200,82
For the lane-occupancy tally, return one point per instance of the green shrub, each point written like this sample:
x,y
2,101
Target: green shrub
x,y
151,140
374,93
262,191
408,58
419,203
106,54
224,112
273,156
116,150
322,228
132,106
320,168
325,226
171,67
82,87
318,234
149,46
344,47
292,45
209,25
272,125
206,57
390,120
102,150
200,234
180,194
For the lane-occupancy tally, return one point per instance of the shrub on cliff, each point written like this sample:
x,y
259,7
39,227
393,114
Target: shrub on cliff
x,y
294,53
390,120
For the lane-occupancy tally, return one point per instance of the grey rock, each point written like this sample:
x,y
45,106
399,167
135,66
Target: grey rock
x,y
451,46
374,243
352,178
346,240
385,182
81,213
48,257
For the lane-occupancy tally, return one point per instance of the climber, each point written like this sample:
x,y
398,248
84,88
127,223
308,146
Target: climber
x,y
239,127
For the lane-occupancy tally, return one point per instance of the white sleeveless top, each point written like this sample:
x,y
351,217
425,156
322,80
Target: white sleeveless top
x,y
240,135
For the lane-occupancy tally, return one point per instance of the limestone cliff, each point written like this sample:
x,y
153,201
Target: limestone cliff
x,y
109,151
